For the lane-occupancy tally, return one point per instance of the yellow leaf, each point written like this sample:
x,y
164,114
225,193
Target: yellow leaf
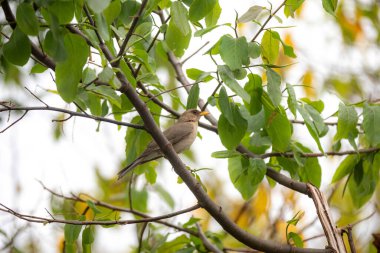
x,y
260,203
308,80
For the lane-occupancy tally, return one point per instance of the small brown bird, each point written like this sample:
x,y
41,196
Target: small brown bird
x,y
181,135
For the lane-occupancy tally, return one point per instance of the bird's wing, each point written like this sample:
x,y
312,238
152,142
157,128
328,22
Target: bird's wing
x,y
178,132
174,134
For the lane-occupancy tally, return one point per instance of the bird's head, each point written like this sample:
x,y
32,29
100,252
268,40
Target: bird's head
x,y
192,115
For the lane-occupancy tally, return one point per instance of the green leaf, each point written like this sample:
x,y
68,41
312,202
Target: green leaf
x,y
26,19
318,121
225,106
112,11
345,167
140,200
231,135
363,186
165,195
129,10
176,43
269,47
202,32
225,154
72,232
255,89
180,17
228,78
18,49
254,50
102,26
200,8
296,238
317,104
292,100
330,6
38,68
174,245
274,89
310,125
61,12
192,99
54,44
347,120
246,174
94,104
68,73
310,171
136,141
108,93
279,130
212,17
87,239
251,14
198,75
234,51
291,6
371,123
98,6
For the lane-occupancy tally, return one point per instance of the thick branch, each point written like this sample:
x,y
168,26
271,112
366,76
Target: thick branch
x,y
36,51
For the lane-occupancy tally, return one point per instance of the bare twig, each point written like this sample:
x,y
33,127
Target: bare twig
x,y
34,95
37,219
72,113
196,51
267,20
22,116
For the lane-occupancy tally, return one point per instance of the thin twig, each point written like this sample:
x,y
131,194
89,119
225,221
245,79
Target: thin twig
x,y
330,153
267,20
115,208
37,219
34,95
130,31
141,236
196,51
77,114
5,129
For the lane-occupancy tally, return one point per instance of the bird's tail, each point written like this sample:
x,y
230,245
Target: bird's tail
x,y
127,169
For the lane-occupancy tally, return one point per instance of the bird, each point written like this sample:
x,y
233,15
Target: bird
x,y
181,135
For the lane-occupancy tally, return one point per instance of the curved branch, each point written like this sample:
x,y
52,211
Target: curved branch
x,y
71,113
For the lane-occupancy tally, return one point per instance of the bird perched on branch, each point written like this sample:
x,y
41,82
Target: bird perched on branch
x,y
181,135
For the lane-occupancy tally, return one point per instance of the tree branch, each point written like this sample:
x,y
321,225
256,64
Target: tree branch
x,y
37,219
130,32
115,208
208,245
71,113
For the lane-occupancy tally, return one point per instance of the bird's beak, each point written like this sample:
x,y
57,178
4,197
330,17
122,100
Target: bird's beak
x,y
204,113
